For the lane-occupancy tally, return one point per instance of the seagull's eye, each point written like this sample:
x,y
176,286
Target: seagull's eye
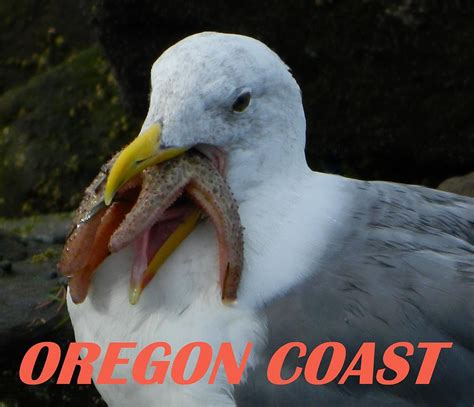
x,y
242,102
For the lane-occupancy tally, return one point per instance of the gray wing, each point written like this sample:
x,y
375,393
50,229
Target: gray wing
x,y
403,271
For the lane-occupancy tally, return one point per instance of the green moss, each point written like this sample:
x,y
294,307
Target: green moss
x,y
20,229
36,36
56,131
47,255
25,227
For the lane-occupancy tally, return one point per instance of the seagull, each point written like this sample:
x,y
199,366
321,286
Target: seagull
x,y
325,258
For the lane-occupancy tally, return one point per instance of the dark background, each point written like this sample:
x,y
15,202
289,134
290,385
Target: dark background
x,y
388,89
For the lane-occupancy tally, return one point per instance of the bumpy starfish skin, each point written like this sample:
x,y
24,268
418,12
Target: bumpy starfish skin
x,y
215,198
93,223
99,230
200,180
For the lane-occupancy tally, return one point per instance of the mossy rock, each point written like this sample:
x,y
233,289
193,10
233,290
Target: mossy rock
x,y
32,303
55,133
52,228
36,36
463,185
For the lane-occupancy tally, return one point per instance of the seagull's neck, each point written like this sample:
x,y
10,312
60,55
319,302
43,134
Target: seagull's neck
x,y
254,165
289,214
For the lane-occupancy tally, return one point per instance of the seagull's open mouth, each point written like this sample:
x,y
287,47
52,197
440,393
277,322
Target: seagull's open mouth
x,y
154,212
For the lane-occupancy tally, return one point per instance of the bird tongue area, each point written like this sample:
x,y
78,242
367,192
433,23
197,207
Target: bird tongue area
x,y
149,241
147,255
154,212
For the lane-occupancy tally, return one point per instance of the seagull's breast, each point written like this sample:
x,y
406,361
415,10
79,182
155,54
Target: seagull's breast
x,y
182,304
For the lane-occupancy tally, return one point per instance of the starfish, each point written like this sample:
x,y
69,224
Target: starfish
x,y
154,211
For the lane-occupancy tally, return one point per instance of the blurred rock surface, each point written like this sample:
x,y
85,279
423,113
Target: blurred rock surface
x,y
60,111
29,282
32,311
463,185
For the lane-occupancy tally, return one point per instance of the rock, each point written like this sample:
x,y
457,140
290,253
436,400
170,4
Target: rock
x,y
36,37
53,275
52,228
463,185
55,133
30,313
5,267
30,251
60,113
387,85
11,248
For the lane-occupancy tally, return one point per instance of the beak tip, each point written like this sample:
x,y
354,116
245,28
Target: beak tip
x,y
229,301
110,190
134,295
107,199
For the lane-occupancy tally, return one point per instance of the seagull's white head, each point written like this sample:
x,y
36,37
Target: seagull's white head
x,y
227,91
231,98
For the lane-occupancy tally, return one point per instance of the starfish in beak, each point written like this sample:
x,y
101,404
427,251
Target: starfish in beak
x,y
152,199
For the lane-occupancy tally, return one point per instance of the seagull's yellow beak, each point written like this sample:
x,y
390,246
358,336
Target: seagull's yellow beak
x,y
141,153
